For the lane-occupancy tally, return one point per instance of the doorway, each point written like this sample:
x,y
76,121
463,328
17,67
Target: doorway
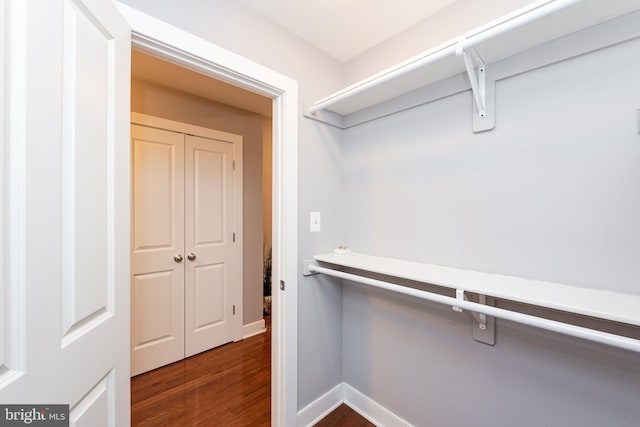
x,y
177,46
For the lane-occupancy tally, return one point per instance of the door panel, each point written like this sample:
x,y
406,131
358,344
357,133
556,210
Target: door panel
x,y
157,186
65,260
208,197
209,295
93,409
87,152
154,300
157,285
209,236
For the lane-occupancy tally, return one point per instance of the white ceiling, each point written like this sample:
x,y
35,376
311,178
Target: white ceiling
x,y
346,28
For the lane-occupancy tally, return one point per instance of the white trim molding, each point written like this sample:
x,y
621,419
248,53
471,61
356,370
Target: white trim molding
x,y
150,35
373,411
252,329
321,407
13,179
370,409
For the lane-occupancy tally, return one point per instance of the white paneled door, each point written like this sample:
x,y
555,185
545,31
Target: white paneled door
x,y
64,206
157,260
209,238
183,260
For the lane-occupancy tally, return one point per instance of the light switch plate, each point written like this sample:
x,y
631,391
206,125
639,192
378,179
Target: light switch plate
x,y
314,222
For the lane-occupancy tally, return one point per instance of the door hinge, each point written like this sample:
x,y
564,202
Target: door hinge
x,y
234,237
234,165
234,310
282,285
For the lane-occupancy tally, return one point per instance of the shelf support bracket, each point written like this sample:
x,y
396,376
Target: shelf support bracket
x,y
460,297
471,61
306,271
481,319
483,326
482,88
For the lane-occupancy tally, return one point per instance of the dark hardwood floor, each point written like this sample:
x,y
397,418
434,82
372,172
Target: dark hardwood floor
x,y
226,386
343,416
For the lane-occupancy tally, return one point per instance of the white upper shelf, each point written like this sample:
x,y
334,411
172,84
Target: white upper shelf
x,y
533,25
601,304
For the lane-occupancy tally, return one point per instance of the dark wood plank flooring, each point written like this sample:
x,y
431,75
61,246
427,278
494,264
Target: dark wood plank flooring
x,y
227,386
343,416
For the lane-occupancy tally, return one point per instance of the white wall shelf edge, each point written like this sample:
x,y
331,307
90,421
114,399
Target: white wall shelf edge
x,y
607,305
535,24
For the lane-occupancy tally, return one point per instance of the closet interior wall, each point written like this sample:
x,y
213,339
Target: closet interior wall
x,y
410,180
549,194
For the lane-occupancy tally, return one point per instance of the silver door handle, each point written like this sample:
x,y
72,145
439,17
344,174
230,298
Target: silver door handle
x,y
191,256
178,258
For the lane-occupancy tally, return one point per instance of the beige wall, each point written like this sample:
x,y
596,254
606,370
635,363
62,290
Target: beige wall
x,y
159,101
267,130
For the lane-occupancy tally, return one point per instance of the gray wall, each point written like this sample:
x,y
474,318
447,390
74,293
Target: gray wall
x,y
551,194
448,23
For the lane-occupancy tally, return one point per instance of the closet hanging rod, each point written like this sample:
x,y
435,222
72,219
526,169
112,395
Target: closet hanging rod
x,y
526,319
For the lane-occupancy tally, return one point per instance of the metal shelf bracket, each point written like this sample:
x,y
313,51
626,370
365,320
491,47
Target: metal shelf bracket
x,y
483,89
305,267
471,61
460,297
483,327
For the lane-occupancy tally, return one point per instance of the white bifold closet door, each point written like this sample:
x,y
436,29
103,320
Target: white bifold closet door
x,y
182,252
208,243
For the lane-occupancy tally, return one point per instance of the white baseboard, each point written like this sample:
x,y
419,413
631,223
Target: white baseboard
x,y
359,402
370,409
252,329
321,407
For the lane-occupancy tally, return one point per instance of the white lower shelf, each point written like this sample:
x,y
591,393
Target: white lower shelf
x,y
596,303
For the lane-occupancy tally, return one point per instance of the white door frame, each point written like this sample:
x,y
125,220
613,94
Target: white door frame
x,y
160,39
